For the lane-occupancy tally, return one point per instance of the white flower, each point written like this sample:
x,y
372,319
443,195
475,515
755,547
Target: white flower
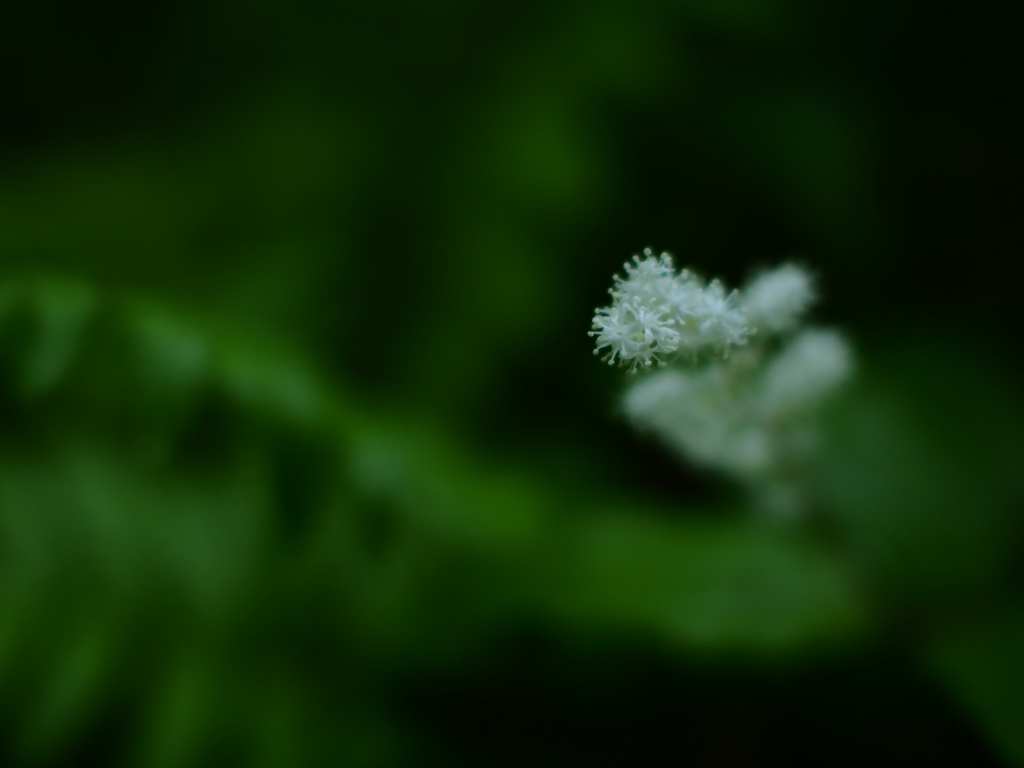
x,y
656,310
752,417
722,320
775,300
684,294
703,415
633,332
648,281
814,364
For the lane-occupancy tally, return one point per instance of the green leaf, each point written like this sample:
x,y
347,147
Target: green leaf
x,y
732,586
63,308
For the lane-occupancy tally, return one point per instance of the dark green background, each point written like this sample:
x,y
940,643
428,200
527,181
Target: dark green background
x,y
304,456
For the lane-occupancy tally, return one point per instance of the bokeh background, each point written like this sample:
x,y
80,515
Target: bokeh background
x,y
304,456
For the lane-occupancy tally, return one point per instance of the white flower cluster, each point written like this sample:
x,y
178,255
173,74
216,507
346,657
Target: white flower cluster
x,y
777,300
657,312
752,416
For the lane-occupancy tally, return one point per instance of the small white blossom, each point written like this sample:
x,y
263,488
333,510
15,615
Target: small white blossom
x,y
776,300
751,416
634,333
813,365
648,282
685,294
702,415
722,319
656,310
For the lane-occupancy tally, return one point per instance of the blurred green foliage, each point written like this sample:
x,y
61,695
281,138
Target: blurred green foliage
x,y
300,433
194,517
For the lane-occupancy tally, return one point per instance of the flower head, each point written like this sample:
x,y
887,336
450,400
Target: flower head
x,y
805,372
778,298
752,416
658,310
648,280
721,319
632,332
